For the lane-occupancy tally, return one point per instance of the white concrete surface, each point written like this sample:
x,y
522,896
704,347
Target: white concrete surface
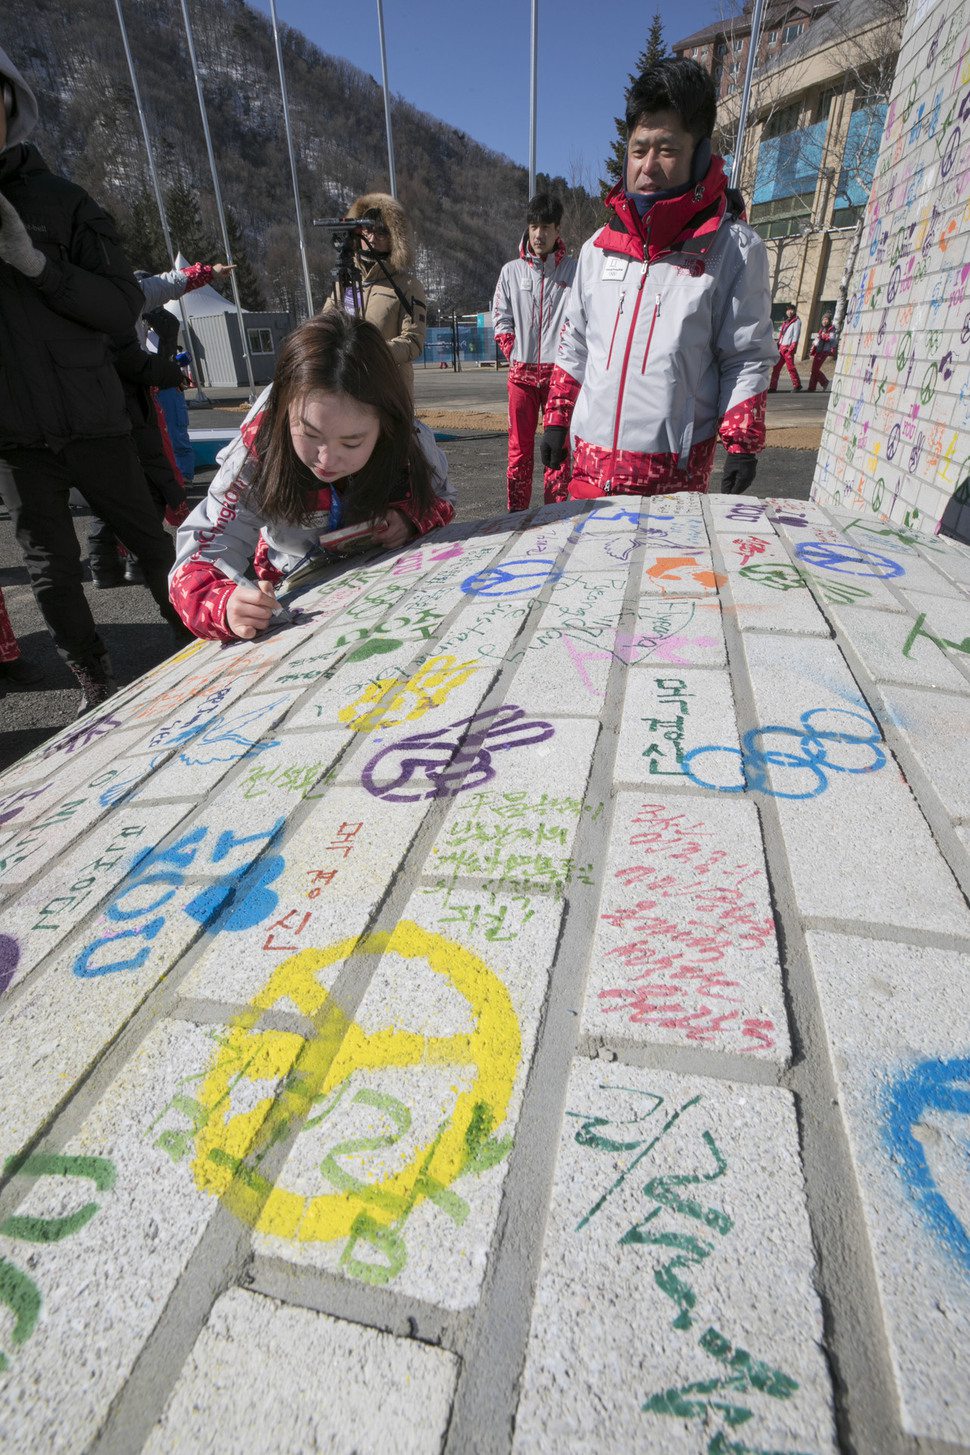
x,y
318,943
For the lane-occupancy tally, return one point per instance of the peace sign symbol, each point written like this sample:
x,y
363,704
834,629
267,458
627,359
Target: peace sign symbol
x,y
842,559
520,578
312,1068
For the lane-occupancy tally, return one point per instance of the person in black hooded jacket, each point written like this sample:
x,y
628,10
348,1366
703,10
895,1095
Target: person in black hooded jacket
x,y
65,287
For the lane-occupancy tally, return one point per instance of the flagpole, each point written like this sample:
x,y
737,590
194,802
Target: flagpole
x,y
217,192
159,202
387,100
293,174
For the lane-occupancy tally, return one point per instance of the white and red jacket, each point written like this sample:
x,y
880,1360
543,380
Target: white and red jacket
x,y
223,529
789,333
529,309
825,342
667,344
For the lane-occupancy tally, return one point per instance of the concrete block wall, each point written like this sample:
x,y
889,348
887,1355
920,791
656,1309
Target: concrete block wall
x,y
516,1006
896,443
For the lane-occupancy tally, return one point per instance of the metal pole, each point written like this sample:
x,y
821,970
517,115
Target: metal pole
x,y
163,219
533,97
218,196
756,17
289,146
387,100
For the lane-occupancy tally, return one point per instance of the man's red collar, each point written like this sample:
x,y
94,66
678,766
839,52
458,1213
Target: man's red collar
x,y
559,250
685,224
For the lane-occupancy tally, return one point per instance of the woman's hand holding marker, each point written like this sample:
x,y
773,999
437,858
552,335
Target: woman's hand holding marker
x,y
250,609
393,529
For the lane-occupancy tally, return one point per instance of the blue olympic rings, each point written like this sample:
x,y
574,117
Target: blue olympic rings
x,y
817,744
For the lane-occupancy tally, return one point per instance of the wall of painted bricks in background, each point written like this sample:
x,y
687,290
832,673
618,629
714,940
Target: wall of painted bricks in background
x,y
896,442
432,1021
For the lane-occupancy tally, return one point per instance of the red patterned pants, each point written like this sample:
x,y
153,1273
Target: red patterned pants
x,y
526,402
9,651
817,377
786,360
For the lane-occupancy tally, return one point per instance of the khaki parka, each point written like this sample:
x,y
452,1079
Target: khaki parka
x,y
403,332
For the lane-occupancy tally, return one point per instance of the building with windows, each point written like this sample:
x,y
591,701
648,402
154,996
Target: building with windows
x,y
818,107
722,47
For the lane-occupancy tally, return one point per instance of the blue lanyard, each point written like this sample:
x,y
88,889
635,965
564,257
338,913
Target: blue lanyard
x,y
336,512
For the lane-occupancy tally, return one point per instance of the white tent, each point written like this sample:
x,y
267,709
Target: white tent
x,y
201,302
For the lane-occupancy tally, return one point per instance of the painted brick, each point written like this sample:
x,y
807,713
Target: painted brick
x,y
889,652
673,572
635,1346
568,658
65,1016
602,552
381,694
517,826
667,712
673,632
338,866
193,758
430,1077
756,591
731,513
898,1036
940,626
935,728
684,951
854,557
336,1386
838,867
39,917
104,1277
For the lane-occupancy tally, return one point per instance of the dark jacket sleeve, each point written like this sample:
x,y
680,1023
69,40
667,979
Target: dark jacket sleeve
x,y
137,366
95,285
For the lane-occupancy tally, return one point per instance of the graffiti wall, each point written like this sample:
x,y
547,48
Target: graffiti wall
x,y
896,444
403,1015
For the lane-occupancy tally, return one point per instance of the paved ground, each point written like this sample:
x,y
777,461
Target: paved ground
x,y
516,1007
135,636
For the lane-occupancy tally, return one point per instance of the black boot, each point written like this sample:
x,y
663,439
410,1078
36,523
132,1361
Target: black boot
x,y
106,568
134,575
20,674
96,680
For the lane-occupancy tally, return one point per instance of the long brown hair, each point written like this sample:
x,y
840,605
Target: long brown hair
x,y
337,354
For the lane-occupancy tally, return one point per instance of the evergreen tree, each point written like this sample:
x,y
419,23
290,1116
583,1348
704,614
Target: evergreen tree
x,y
247,279
141,234
190,236
654,50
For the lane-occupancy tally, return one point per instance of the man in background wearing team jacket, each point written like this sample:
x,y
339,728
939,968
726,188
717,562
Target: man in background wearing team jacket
x,y
667,345
527,314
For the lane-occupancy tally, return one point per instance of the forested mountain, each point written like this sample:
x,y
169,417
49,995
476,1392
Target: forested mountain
x,y
467,203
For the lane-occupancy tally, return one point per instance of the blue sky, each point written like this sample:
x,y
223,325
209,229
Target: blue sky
x,y
467,62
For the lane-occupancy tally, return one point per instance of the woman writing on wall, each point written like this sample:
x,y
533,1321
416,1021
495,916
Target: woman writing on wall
x,y
331,443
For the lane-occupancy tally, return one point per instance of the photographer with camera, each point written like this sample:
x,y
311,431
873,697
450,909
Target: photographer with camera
x,y
390,296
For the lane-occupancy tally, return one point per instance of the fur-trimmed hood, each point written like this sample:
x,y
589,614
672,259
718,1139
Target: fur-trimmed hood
x,y
24,119
401,258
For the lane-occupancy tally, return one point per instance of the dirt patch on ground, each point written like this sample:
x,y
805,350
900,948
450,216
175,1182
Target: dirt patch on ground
x,y
797,437
794,437
476,419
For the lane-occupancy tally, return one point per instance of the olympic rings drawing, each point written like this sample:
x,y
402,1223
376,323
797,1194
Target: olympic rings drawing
x,y
528,579
842,559
823,745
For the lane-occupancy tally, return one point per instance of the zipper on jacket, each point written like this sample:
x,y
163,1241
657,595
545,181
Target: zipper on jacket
x,y
616,323
626,352
542,289
646,352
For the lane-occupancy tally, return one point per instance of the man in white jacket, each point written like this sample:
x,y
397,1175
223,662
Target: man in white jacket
x,y
528,313
788,337
667,345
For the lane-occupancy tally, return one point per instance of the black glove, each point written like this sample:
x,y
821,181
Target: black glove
x,y
553,446
738,474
